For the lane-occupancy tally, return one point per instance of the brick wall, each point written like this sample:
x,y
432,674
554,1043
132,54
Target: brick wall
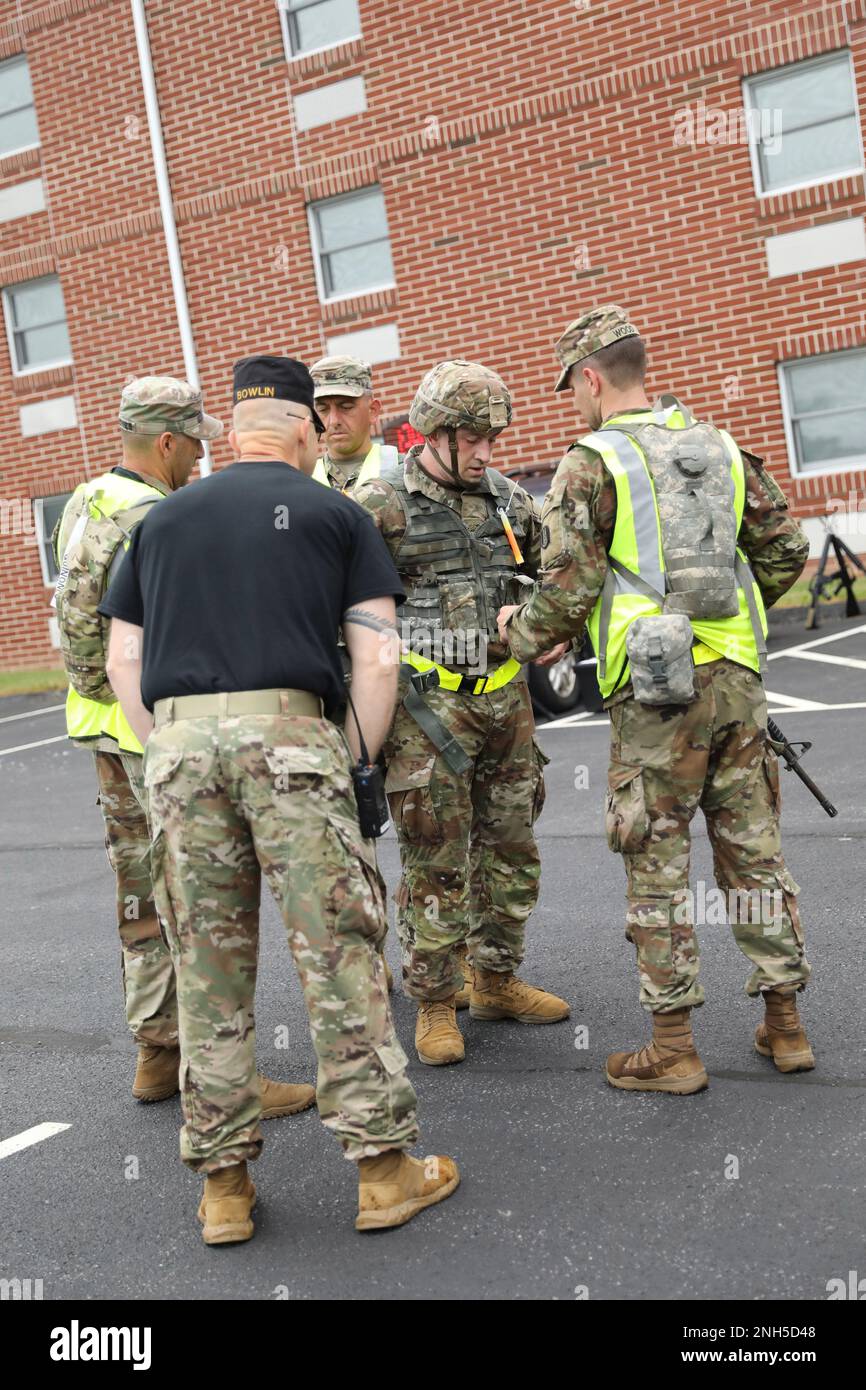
x,y
529,167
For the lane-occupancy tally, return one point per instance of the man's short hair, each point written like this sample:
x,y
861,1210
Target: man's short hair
x,y
623,364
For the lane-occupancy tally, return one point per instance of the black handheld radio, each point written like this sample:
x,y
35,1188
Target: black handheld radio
x,y
369,786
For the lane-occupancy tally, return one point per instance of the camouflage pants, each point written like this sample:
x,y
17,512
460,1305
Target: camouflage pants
x,y
451,894
148,973
232,799
665,762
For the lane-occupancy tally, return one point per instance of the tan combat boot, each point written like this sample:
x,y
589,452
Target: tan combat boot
x,y
781,1035
438,1040
156,1073
669,1063
502,995
463,994
279,1098
227,1205
392,1187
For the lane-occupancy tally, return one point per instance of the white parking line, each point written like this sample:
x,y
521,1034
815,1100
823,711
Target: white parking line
x,y
785,709
831,660
817,642
30,1136
792,701
31,713
40,743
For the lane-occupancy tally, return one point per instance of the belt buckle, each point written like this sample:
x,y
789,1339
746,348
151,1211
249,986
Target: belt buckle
x,y
425,680
472,681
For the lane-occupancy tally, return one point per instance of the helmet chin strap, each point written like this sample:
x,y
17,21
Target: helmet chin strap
x,y
455,471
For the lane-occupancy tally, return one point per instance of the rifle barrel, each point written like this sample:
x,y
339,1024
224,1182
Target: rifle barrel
x,y
793,762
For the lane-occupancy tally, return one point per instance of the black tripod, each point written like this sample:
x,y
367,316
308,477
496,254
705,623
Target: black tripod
x,y
842,578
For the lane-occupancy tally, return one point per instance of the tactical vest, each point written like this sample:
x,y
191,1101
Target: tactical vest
x,y
94,531
379,456
674,543
456,580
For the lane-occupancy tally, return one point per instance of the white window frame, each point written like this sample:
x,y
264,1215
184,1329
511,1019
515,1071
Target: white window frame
x,y
43,541
753,123
293,57
317,250
831,466
21,149
8,291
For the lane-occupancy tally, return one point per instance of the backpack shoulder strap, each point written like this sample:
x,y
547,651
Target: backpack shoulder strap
x,y
130,519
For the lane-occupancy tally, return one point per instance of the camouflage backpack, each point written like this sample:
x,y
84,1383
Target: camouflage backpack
x,y
691,472
89,542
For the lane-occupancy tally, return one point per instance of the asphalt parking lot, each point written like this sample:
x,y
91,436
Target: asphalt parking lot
x,y
753,1189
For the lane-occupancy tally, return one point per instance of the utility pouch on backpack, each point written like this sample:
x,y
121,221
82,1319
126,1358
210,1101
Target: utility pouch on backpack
x,y
660,656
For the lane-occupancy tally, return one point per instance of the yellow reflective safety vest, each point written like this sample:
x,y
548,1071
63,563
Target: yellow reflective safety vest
x,y
370,468
636,549
88,720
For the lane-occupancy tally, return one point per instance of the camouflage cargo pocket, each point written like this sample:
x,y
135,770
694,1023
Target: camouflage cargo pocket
x,y
771,774
626,818
539,795
359,904
161,899
790,891
408,788
294,767
459,606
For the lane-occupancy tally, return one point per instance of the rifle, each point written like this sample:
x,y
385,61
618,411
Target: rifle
x,y
787,751
841,578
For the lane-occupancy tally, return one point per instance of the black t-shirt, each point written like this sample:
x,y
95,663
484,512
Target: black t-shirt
x,y
240,582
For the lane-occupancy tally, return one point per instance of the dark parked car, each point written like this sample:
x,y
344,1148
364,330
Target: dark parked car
x,y
570,684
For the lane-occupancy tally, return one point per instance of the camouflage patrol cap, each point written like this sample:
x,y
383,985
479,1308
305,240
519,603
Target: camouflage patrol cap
x,y
461,393
341,376
154,404
590,333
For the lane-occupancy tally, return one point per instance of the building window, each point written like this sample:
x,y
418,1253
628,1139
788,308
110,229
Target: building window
x,y
351,246
825,411
36,325
17,112
47,511
309,25
803,126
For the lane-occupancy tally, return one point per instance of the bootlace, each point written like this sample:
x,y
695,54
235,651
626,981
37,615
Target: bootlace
x,y
437,1011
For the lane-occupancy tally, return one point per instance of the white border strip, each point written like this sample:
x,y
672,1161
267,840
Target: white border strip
x,y
40,743
31,713
30,1136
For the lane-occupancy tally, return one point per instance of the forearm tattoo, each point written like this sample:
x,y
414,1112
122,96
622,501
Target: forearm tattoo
x,y
364,618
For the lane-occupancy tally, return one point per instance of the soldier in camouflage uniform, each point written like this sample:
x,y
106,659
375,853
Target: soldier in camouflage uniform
x,y
711,748
343,392
162,425
461,755
247,778
350,414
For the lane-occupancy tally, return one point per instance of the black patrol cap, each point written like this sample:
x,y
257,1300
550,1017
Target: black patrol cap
x,y
275,378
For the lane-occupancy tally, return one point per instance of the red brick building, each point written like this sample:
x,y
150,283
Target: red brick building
x,y
411,183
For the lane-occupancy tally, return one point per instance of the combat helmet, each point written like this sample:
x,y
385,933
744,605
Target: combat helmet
x,y
459,393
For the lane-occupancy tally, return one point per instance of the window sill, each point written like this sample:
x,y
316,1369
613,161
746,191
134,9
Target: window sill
x,y
323,60
858,466
356,305
20,161
34,383
810,196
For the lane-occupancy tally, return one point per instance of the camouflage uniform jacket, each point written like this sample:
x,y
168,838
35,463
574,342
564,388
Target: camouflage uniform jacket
x,y
343,473
472,510
578,522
